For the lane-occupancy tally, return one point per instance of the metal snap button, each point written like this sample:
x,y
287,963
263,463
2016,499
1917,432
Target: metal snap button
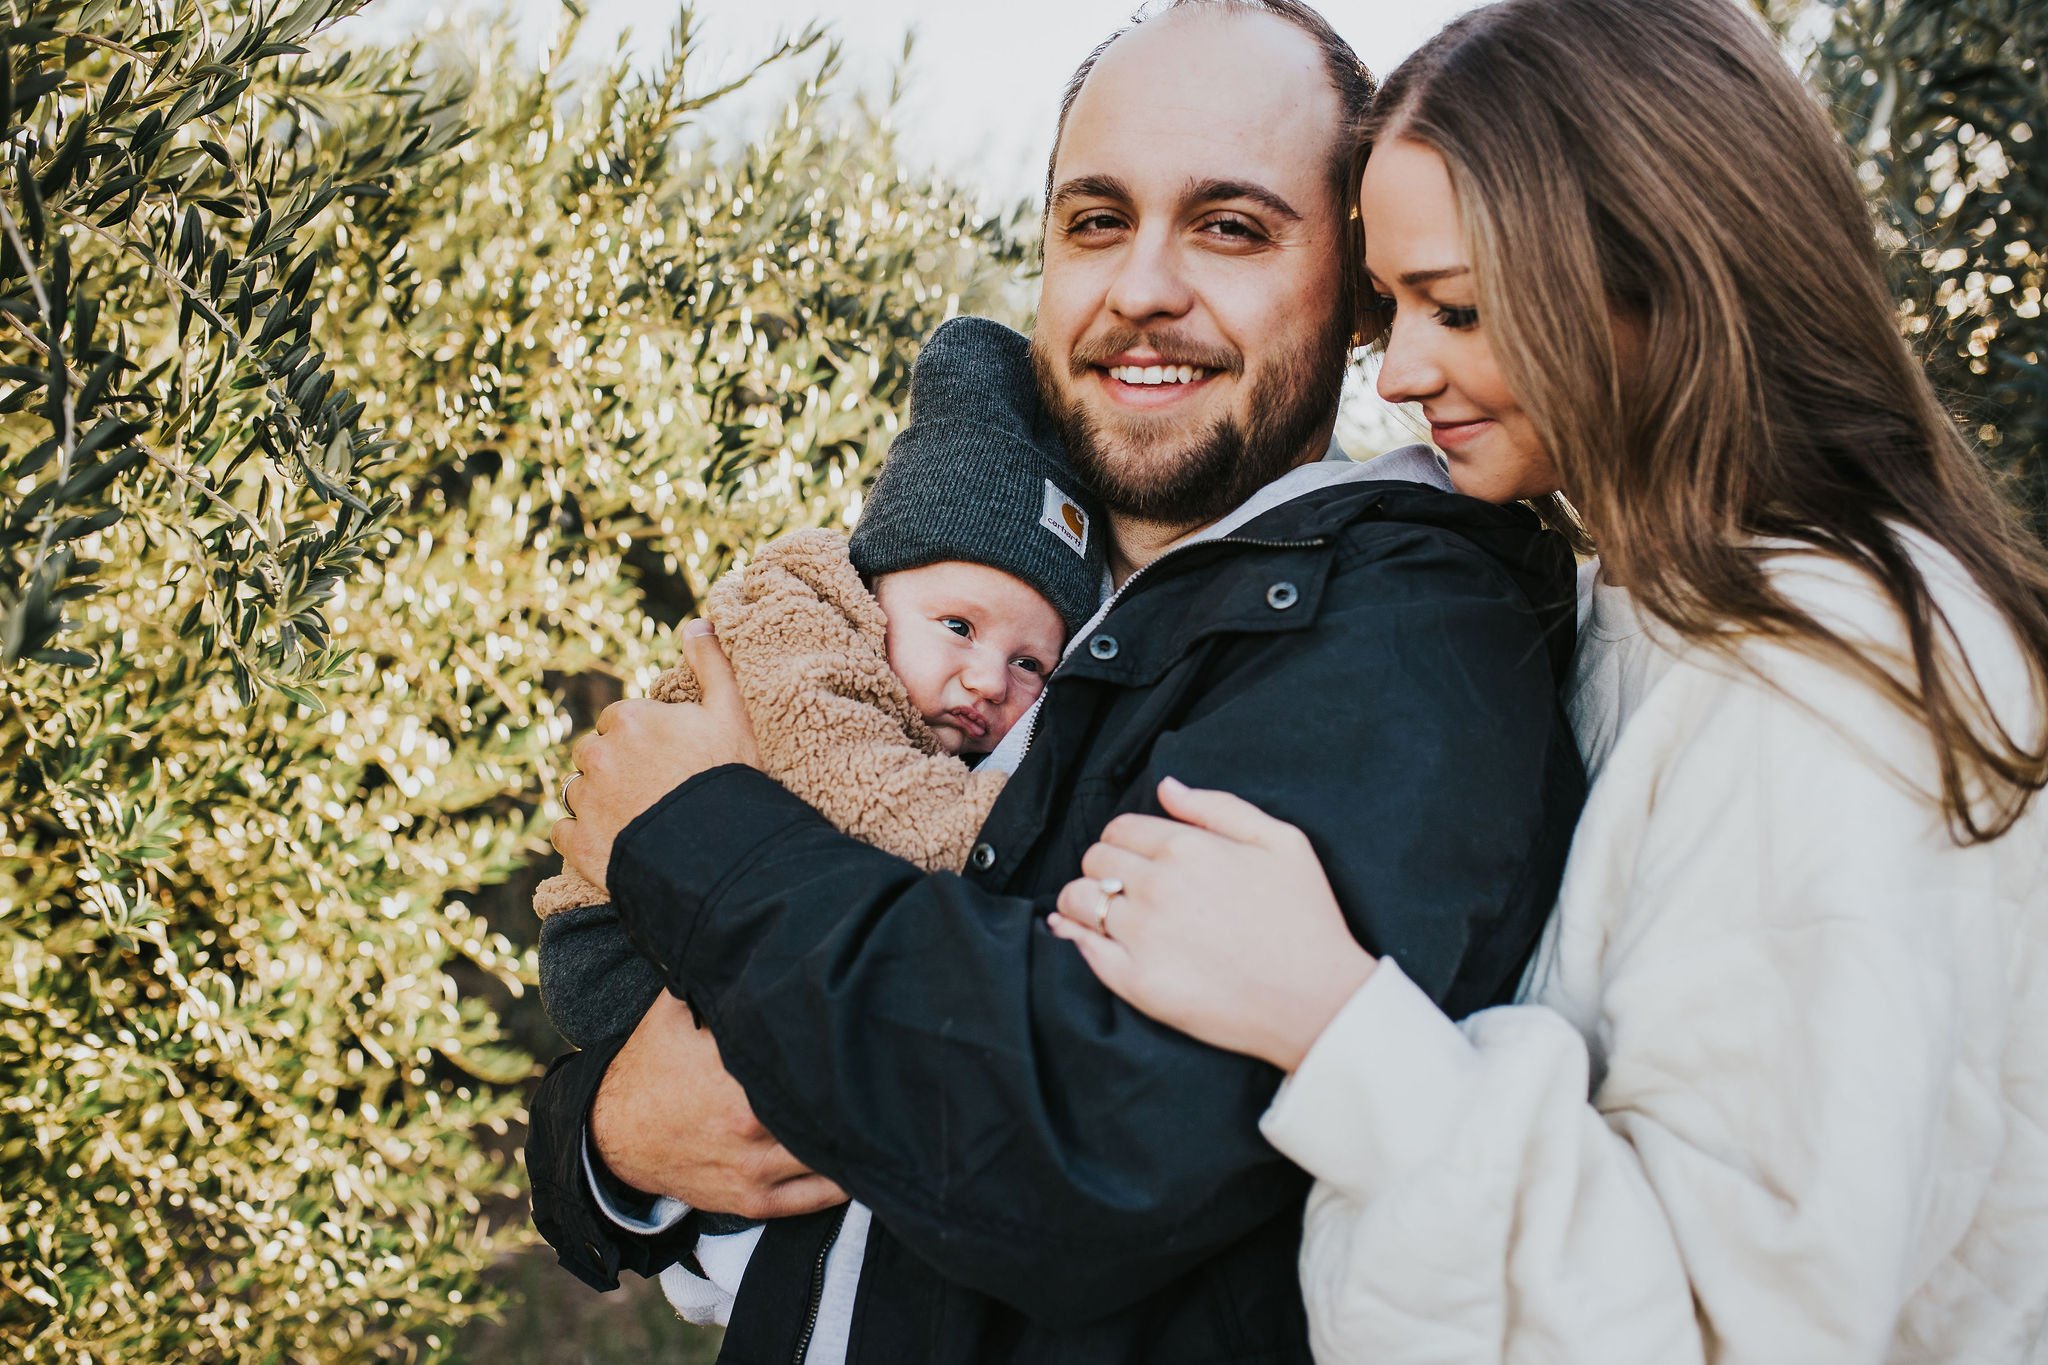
x,y
1281,596
1103,647
982,858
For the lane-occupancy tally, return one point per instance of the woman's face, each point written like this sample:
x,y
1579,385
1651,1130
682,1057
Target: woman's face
x,y
1438,354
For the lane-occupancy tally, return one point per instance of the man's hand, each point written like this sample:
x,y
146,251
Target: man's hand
x,y
643,750
670,1120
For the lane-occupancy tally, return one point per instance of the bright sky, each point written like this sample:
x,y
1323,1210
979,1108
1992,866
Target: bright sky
x,y
985,79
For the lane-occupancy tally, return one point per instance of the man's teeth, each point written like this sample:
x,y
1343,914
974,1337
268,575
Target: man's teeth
x,y
1156,374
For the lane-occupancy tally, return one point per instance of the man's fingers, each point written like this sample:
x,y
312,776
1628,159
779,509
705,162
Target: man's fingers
x,y
1233,817
714,671
805,1194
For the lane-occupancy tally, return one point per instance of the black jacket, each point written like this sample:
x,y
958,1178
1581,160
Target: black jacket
x,y
1054,1177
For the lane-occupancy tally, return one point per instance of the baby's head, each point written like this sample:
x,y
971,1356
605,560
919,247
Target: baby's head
x,y
975,539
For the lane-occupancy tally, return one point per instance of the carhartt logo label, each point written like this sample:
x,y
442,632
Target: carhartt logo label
x,y
1065,519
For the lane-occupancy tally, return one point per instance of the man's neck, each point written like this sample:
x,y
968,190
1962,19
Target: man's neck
x,y
1135,542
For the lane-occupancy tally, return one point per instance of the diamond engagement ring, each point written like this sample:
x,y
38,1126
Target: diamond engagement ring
x,y
1112,887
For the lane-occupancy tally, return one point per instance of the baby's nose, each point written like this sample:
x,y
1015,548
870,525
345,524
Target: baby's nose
x,y
988,677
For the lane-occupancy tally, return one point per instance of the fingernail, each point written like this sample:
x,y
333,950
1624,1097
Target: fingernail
x,y
698,626
1173,782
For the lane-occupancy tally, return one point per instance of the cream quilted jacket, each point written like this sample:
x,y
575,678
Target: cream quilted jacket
x,y
1777,1090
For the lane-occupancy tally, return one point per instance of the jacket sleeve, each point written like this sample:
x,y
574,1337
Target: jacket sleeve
x,y
1779,1029
927,1042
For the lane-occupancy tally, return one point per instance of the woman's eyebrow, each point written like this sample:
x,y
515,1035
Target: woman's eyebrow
x,y
1416,277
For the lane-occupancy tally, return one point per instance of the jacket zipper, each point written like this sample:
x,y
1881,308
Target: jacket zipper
x,y
803,1344
1031,731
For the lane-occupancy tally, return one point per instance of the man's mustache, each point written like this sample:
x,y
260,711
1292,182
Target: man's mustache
x,y
1172,348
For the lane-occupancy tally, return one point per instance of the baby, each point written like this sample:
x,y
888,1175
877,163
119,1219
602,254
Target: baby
x,y
874,667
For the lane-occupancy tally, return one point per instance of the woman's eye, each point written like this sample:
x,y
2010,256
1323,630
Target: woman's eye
x,y
958,625
1458,319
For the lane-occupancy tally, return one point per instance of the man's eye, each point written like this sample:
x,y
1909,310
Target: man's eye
x,y
958,625
1095,222
1237,229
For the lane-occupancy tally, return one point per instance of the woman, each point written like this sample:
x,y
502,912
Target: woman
x,y
1800,957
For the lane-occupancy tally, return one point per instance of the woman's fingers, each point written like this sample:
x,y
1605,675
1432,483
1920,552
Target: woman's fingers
x,y
1107,860
1082,901
1148,836
1109,960
1233,817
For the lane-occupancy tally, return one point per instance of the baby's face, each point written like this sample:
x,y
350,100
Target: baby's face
x,y
972,645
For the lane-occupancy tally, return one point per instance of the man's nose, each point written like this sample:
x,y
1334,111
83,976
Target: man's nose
x,y
1408,372
1150,281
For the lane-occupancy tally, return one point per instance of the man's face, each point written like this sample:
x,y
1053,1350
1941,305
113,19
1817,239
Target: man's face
x,y
1190,337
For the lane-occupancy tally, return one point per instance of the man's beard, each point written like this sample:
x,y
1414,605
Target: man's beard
x,y
1154,470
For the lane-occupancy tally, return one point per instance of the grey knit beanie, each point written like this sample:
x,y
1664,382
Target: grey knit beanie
x,y
978,474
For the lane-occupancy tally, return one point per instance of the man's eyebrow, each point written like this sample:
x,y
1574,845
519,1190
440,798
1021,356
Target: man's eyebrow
x,y
1090,187
1416,277
1215,191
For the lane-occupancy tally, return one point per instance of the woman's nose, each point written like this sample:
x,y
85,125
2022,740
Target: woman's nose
x,y
1408,371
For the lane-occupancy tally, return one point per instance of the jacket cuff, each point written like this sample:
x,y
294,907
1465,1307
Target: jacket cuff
x,y
655,1213
566,1212
1380,1091
669,867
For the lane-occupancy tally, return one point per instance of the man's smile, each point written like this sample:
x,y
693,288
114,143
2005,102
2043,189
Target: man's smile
x,y
1149,382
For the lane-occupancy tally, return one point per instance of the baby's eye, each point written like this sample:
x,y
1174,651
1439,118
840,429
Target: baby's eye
x,y
1029,665
958,625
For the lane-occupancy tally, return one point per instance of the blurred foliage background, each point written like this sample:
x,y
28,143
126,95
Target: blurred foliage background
x,y
368,417
1944,103
350,402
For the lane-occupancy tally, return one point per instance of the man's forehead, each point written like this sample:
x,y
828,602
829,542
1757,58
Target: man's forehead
x,y
1198,95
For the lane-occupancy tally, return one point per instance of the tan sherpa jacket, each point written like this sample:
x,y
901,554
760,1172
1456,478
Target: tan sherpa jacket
x,y
807,642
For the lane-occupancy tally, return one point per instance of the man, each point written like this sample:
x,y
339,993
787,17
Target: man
x,y
1051,1176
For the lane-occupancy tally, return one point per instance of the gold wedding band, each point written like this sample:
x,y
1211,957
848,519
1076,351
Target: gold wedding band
x,y
1112,887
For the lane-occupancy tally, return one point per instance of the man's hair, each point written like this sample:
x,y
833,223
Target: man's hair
x,y
1354,87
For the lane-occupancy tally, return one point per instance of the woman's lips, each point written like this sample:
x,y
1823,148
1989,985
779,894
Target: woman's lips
x,y
1450,434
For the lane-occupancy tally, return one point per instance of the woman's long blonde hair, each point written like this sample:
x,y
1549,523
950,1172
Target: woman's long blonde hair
x,y
1657,162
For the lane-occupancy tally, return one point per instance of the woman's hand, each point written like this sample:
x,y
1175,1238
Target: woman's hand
x,y
1224,927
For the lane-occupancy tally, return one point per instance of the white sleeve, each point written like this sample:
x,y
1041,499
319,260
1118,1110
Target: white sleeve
x,y
1780,1005
659,1216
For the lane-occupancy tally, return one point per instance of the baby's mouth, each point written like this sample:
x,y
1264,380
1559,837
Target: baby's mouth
x,y
967,720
